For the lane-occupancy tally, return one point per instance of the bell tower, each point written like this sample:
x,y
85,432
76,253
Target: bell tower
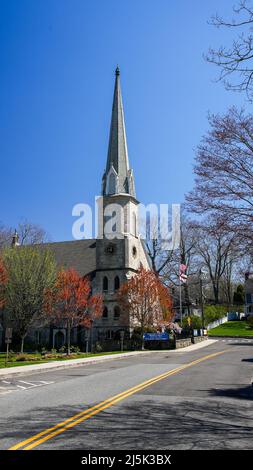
x,y
119,249
118,203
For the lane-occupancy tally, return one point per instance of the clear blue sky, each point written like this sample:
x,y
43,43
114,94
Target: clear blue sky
x,y
57,62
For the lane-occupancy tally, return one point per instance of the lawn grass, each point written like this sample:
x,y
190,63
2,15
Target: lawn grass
x,y
39,359
232,328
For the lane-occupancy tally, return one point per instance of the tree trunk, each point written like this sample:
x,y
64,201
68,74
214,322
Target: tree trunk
x,y
91,337
22,344
215,286
142,339
68,338
216,293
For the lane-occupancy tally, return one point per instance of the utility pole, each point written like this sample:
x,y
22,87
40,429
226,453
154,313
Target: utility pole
x,y
201,300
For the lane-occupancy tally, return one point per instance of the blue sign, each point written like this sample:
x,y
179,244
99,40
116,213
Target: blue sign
x,y
155,336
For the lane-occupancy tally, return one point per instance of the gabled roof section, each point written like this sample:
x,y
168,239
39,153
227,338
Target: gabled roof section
x,y
77,254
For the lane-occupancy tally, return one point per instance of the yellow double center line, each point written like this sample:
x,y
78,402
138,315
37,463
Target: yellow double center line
x,y
78,418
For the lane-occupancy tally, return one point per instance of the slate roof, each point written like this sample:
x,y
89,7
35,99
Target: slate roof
x,y
77,254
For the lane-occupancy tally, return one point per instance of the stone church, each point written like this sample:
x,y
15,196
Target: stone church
x,y
116,253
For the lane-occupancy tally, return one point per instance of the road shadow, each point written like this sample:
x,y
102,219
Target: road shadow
x,y
141,424
242,393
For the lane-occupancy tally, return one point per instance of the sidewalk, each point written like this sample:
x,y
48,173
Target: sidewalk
x,y
194,347
21,370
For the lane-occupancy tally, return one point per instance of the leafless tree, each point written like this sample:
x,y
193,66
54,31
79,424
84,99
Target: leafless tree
x,y
28,234
31,234
224,174
5,236
236,61
166,262
227,285
160,258
217,249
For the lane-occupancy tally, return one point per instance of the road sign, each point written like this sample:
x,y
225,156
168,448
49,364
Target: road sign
x,y
155,336
8,340
8,334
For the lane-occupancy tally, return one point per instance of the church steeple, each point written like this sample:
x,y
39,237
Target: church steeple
x,y
118,177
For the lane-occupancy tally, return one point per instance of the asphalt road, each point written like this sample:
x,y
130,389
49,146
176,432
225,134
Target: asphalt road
x,y
203,405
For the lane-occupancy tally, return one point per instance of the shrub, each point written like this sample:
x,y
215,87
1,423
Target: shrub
x,y
43,351
196,322
136,334
214,312
238,297
52,356
26,357
250,322
98,347
62,350
21,357
12,354
75,349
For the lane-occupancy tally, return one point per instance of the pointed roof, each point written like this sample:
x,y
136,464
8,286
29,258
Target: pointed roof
x,y
117,158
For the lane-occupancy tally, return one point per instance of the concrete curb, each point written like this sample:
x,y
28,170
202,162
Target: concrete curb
x,y
53,365
56,365
195,347
233,337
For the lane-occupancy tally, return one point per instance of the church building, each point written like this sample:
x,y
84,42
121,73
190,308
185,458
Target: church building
x,y
117,252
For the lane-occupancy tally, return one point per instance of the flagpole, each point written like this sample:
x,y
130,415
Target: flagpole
x,y
180,294
182,278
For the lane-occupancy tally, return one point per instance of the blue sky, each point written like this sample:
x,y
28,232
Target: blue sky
x,y
57,62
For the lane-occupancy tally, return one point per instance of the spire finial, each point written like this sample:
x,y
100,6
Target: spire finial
x,y
117,71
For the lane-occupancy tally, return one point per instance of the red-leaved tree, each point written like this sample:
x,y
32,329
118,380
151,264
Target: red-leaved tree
x,y
147,300
70,302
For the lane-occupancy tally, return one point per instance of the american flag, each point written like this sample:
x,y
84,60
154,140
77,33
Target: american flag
x,y
182,274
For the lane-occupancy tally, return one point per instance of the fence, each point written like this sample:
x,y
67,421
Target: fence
x,y
218,322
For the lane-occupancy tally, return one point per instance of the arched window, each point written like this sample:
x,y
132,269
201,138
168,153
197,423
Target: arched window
x,y
116,283
116,312
105,312
105,284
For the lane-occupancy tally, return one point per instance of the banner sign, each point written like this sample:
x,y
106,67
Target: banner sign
x,y
155,336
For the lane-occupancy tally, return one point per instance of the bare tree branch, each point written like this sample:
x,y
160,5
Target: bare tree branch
x,y
236,62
